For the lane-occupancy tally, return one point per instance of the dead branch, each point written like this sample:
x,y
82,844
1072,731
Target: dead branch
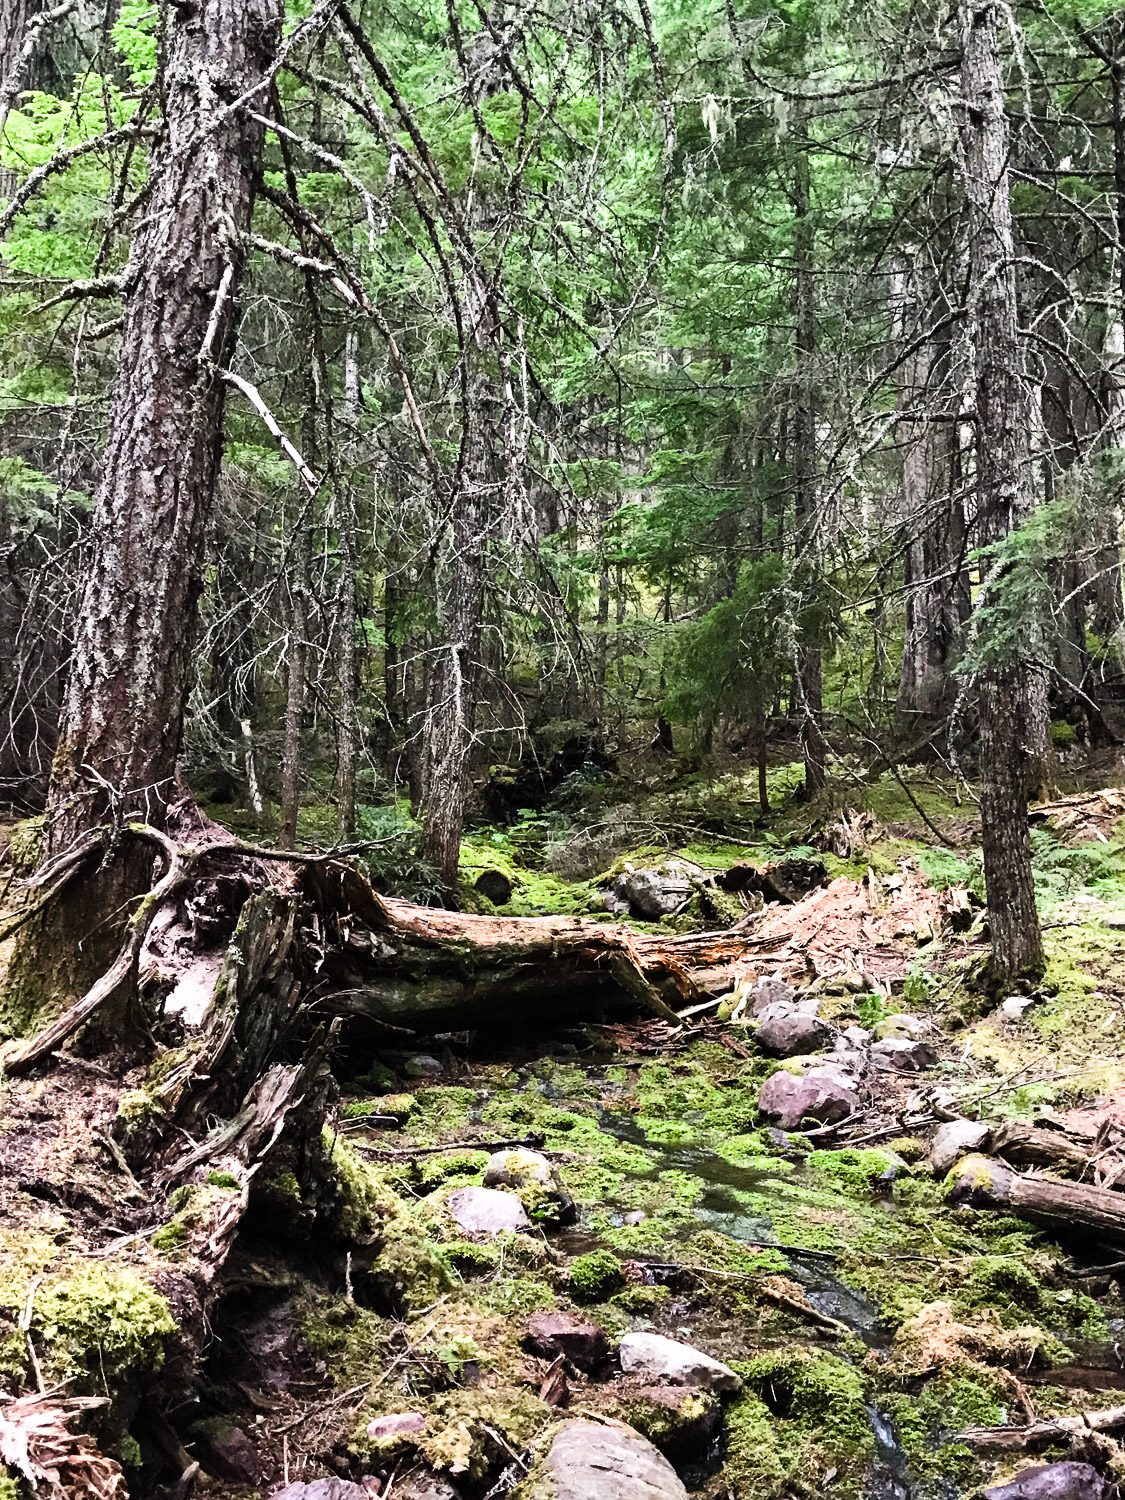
x,y
1040,1434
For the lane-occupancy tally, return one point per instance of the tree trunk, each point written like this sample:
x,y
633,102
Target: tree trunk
x,y
347,734
123,717
807,538
934,574
296,664
1010,696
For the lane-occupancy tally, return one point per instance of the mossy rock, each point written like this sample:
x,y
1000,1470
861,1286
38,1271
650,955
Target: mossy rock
x,y
595,1276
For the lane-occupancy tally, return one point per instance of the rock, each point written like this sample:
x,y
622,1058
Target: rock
x,y
953,1140
662,1361
226,1452
482,1213
855,1036
1013,1007
818,1095
330,1488
784,1030
422,1065
592,1461
767,991
899,1055
1065,1481
396,1429
424,1486
582,1344
536,1183
681,1423
652,894
902,1027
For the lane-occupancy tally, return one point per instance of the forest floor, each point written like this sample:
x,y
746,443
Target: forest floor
x,y
871,1319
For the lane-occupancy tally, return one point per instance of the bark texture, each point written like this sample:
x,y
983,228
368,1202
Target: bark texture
x,y
123,716
1011,697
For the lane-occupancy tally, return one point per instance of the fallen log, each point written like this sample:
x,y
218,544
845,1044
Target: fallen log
x,y
1041,1434
1031,1146
981,1182
393,962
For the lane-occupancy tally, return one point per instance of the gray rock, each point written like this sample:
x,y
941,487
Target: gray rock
x,y
899,1055
818,1095
902,1027
1013,1007
581,1343
593,1461
784,1030
536,1183
652,894
855,1036
1065,1481
953,1140
483,1213
424,1486
396,1428
662,1361
422,1065
330,1488
768,991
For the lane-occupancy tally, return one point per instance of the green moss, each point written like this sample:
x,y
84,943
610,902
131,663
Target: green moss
x,y
755,1468
662,1423
100,1325
170,1237
962,1395
818,1407
641,1300
225,1180
1012,1288
852,1169
9,1486
364,1201
25,844
455,1167
594,1276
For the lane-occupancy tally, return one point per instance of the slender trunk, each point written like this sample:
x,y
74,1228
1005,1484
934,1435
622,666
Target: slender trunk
x,y
934,525
347,665
807,539
296,659
1008,702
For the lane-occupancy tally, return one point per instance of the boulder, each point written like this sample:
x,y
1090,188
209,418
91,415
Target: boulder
x,y
784,1030
900,1055
953,1140
482,1213
330,1488
767,991
821,1095
593,1461
1064,1481
581,1343
652,894
536,1183
662,1362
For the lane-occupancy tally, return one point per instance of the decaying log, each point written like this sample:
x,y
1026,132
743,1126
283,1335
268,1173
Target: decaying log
x,y
1040,1434
981,1182
391,961
1031,1146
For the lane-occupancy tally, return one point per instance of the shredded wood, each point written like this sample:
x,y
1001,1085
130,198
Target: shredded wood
x,y
38,1443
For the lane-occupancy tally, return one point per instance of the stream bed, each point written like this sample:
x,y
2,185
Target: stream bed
x,y
869,1321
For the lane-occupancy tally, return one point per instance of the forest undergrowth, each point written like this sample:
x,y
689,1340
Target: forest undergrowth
x,y
362,1330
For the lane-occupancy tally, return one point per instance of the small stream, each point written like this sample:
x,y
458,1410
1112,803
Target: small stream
x,y
723,1207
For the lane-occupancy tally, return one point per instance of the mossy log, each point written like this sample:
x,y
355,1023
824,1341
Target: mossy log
x,y
311,927
394,962
1067,1207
